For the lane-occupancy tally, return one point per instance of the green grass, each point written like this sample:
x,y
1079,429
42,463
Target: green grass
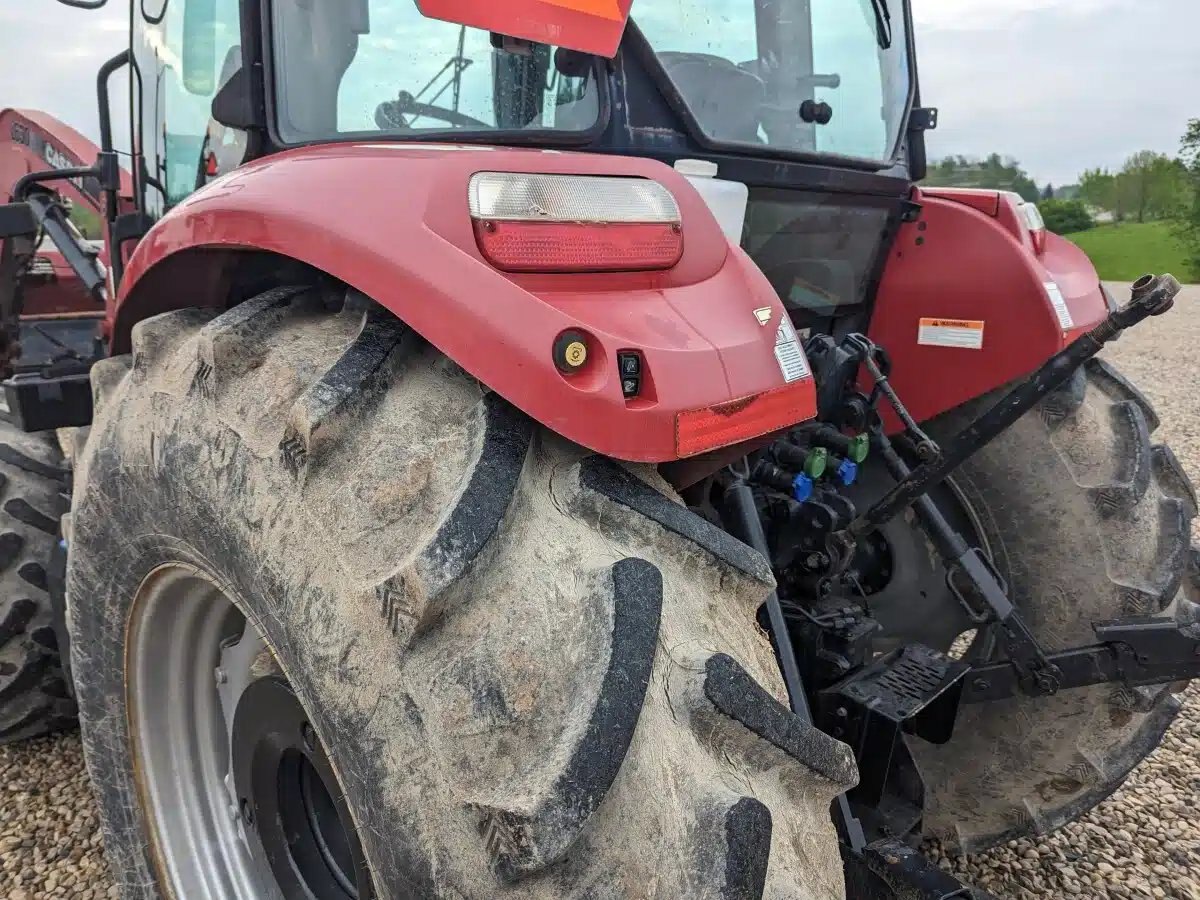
x,y
1129,250
87,222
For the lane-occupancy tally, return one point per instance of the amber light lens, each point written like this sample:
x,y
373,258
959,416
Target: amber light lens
x,y
701,430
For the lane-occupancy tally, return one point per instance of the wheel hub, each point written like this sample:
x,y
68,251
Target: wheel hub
x,y
240,797
288,798
906,584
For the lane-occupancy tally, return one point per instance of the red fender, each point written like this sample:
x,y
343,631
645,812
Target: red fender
x,y
970,257
392,221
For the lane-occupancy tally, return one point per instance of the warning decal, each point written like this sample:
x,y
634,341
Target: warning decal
x,y
788,353
964,333
1060,306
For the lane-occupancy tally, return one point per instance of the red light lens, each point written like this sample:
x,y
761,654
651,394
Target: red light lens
x,y
579,246
700,430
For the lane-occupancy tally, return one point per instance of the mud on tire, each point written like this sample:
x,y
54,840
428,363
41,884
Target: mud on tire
x,y
33,694
535,674
1088,521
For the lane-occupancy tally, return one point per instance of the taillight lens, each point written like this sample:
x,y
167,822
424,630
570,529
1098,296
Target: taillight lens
x,y
700,430
528,222
1036,225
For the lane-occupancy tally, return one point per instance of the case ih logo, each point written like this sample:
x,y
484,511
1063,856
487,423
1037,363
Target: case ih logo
x,y
54,157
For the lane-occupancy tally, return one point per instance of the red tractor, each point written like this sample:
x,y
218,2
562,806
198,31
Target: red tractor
x,y
53,325
541,452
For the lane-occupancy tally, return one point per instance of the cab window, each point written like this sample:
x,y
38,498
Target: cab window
x,y
195,47
379,68
746,69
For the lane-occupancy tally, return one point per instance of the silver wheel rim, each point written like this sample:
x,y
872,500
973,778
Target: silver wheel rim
x,y
189,655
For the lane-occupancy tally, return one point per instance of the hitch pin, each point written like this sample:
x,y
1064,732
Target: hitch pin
x,y
1151,296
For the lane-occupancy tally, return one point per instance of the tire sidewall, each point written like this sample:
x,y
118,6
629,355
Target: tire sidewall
x,y
202,524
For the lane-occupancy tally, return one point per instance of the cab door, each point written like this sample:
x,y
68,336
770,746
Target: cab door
x,y
184,51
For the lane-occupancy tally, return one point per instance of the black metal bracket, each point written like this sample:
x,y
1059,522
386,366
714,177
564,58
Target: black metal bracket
x,y
910,211
923,118
891,870
912,690
1135,652
16,220
38,402
130,226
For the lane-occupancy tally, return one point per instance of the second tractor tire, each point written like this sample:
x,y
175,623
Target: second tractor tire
x,y
1088,521
34,699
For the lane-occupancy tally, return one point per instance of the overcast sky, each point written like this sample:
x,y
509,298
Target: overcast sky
x,y
1061,85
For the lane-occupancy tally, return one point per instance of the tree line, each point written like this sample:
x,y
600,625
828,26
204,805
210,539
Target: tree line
x,y
1189,215
1150,186
995,171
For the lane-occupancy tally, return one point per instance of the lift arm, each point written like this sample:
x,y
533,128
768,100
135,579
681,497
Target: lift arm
x,y
1135,652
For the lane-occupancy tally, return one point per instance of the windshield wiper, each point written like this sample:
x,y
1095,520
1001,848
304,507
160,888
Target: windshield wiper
x,y
883,23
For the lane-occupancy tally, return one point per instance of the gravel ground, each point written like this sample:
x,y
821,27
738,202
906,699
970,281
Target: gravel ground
x,y
1144,841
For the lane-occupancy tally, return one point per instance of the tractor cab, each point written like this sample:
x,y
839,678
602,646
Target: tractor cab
x,y
807,104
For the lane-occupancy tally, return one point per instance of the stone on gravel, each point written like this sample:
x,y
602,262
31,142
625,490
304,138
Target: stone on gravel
x,y
50,843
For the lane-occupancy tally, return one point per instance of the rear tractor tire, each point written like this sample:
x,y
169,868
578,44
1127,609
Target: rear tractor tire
x,y
33,692
1088,521
316,567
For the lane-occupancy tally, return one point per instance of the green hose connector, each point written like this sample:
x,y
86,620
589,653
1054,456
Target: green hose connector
x,y
860,446
816,462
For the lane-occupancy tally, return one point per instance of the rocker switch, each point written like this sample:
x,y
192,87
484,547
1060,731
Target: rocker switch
x,y
629,365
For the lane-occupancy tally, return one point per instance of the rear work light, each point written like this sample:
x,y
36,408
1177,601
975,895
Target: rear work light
x,y
1036,225
700,430
574,223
